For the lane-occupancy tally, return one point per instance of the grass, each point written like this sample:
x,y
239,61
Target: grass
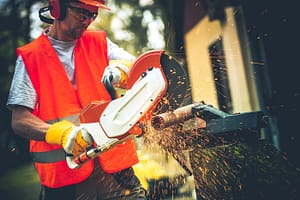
x,y
20,182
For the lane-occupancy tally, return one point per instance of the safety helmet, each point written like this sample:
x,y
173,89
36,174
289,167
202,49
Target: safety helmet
x,y
97,3
58,8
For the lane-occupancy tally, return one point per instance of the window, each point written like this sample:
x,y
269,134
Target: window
x,y
218,64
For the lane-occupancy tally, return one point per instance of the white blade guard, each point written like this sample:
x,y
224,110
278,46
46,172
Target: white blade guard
x,y
123,113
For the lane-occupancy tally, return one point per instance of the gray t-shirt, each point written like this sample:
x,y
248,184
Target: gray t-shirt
x,y
22,91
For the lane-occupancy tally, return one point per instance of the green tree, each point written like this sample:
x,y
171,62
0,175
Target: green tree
x,y
14,31
135,19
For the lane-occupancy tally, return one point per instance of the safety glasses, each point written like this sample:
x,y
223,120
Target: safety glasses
x,y
83,14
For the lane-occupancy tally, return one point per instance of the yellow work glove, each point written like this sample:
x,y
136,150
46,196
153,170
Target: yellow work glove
x,y
117,70
74,139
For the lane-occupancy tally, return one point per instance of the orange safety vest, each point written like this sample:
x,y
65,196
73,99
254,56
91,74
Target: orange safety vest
x,y
57,100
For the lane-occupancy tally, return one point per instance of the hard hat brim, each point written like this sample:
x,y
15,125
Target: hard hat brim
x,y
95,3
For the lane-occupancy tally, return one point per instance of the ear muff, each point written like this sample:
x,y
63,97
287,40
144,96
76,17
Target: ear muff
x,y
57,9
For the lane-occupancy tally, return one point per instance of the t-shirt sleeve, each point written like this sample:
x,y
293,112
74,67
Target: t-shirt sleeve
x,y
21,91
117,53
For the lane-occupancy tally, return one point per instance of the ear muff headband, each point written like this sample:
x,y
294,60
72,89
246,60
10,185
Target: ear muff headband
x,y
42,17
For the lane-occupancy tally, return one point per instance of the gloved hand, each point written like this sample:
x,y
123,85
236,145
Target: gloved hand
x,y
74,139
117,70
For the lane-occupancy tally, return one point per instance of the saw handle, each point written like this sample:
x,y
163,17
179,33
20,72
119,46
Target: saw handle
x,y
107,81
77,161
86,156
82,158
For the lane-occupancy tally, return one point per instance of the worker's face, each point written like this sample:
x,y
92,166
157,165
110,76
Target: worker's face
x,y
78,18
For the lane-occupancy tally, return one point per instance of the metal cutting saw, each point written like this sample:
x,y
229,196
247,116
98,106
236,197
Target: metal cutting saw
x,y
156,84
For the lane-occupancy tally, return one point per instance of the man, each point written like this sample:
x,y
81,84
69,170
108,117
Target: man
x,y
56,76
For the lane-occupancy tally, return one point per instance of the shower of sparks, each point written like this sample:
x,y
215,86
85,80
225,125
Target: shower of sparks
x,y
218,166
208,179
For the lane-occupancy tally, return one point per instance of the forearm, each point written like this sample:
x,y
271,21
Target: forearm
x,y
27,125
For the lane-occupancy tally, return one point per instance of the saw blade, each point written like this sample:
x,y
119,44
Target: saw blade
x,y
173,71
177,84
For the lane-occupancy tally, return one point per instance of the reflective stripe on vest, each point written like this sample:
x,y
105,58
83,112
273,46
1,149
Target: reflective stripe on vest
x,y
72,118
57,154
48,156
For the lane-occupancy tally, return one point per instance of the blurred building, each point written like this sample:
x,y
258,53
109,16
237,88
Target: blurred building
x,y
241,57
